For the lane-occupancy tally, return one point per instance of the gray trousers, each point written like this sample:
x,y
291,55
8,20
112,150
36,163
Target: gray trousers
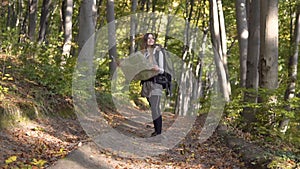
x,y
154,102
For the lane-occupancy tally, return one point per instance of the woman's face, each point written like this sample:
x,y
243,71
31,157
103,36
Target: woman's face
x,y
150,40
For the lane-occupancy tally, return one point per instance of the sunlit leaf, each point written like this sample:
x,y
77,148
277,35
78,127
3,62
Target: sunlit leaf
x,y
39,163
11,159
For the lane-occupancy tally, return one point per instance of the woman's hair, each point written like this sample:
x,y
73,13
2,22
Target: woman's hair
x,y
146,38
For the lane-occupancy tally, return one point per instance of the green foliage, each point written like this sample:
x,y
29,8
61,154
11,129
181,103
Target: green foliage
x,y
283,163
38,163
42,64
269,114
12,162
105,100
11,159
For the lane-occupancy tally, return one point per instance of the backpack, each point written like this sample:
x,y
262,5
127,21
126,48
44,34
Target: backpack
x,y
165,79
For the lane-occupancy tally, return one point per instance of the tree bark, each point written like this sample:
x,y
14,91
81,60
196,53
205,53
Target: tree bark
x,y
189,85
11,15
292,72
23,26
252,76
111,36
216,41
68,13
243,34
44,20
133,22
87,24
223,42
20,13
268,75
32,5
86,41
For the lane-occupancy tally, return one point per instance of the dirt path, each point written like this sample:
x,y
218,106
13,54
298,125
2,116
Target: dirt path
x,y
62,143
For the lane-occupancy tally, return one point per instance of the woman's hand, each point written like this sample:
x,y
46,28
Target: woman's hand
x,y
155,68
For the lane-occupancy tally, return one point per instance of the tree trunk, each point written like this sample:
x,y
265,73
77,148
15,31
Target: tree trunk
x,y
86,42
44,20
199,68
268,75
217,46
143,3
133,22
111,36
68,13
252,77
19,13
87,24
184,92
153,5
223,42
189,85
292,72
242,28
23,26
32,5
11,15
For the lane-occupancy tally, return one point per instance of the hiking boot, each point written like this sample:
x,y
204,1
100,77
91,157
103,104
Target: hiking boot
x,y
154,134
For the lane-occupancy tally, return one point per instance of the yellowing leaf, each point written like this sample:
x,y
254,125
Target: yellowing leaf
x,y
11,159
38,163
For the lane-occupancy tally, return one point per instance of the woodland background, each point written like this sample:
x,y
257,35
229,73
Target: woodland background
x,y
256,58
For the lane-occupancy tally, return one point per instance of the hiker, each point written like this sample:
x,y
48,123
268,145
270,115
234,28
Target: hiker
x,y
151,90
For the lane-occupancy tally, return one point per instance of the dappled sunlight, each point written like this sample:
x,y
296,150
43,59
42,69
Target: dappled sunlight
x,y
41,139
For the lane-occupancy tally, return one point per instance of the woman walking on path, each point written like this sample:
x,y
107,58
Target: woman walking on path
x,y
151,90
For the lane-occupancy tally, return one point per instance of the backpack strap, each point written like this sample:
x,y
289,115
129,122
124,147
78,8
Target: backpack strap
x,y
159,49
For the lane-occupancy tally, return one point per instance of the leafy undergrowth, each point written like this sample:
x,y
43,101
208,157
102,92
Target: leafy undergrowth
x,y
281,154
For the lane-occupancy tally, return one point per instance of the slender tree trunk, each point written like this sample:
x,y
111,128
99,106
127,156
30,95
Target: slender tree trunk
x,y
68,13
185,87
293,61
223,42
143,3
148,6
87,43
242,28
19,13
32,5
216,41
133,22
153,5
11,15
24,23
154,18
167,31
199,68
252,76
111,35
87,24
8,15
292,73
44,21
101,19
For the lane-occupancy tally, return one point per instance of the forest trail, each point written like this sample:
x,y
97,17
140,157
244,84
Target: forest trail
x,y
45,139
